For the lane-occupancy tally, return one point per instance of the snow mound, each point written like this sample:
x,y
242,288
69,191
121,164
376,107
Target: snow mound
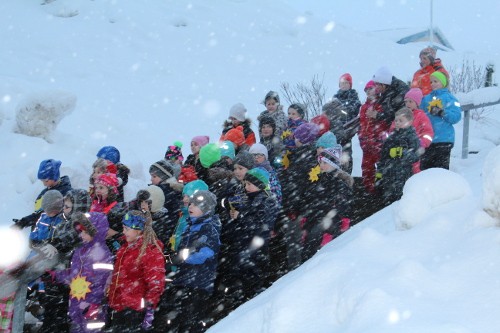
x,y
39,113
424,192
491,183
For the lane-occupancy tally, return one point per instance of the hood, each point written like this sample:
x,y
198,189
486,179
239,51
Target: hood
x,y
100,222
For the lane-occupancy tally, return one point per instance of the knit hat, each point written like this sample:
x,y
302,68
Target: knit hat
x,y
267,120
383,75
80,199
331,155
346,77
301,108
205,200
194,186
238,111
327,140
323,122
209,154
227,149
109,180
306,133
429,52
259,177
272,94
259,148
369,84
52,201
109,153
174,152
188,174
81,222
49,169
201,140
415,94
134,219
441,77
245,159
235,135
155,194
162,169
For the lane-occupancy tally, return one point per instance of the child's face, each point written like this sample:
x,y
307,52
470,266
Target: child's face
x,y
319,150
325,167
131,235
410,104
194,211
401,122
185,201
344,85
155,180
68,207
234,121
48,182
259,158
251,188
195,147
266,130
97,173
294,114
239,172
144,205
380,87
271,105
435,83
101,191
424,61
86,238
371,92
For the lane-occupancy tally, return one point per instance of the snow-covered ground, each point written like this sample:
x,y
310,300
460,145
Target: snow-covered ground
x,y
144,74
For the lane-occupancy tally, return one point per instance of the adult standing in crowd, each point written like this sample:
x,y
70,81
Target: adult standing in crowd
x,y
428,65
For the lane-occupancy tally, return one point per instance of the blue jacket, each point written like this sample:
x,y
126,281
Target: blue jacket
x,y
443,126
201,238
44,228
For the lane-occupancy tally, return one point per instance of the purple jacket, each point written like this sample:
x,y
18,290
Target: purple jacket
x,y
84,265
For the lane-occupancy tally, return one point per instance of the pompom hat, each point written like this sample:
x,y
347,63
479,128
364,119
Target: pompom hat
x,y
174,152
235,135
383,75
415,94
49,169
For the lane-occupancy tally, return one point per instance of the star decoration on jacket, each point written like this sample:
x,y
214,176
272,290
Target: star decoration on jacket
x,y
285,161
435,103
314,174
79,287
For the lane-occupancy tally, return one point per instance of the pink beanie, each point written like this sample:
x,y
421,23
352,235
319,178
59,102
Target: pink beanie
x,y
369,84
346,77
415,94
201,140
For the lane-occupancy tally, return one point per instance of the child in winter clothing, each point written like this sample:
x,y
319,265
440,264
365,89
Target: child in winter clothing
x,y
348,96
237,137
138,278
392,91
443,110
269,138
174,154
429,64
274,110
49,175
260,154
90,269
398,154
296,114
112,154
421,123
100,167
193,159
328,215
237,117
372,133
196,260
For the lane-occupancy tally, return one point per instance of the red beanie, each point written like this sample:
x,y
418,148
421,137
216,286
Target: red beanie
x,y
109,180
235,135
369,84
323,123
346,77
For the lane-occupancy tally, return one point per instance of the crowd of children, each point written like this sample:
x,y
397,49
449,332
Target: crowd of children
x,y
213,231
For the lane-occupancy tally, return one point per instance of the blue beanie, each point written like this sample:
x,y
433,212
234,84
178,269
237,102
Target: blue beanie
x,y
109,153
227,149
134,220
327,140
49,169
194,186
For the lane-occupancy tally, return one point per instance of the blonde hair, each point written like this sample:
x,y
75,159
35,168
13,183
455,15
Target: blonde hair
x,y
148,235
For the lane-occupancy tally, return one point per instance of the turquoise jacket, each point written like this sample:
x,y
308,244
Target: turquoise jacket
x,y
443,126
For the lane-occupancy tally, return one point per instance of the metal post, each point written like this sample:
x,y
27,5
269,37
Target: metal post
x,y
431,28
465,136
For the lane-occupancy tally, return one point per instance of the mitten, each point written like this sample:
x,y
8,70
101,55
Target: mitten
x,y
396,152
147,323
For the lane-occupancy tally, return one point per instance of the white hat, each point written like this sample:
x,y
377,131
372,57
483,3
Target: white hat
x,y
238,111
259,148
383,75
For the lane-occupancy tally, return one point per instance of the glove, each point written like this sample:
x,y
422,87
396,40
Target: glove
x,y
396,152
147,323
91,312
437,111
48,250
20,223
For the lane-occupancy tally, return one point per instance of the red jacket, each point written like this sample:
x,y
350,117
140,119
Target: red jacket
x,y
422,77
423,127
371,132
134,281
